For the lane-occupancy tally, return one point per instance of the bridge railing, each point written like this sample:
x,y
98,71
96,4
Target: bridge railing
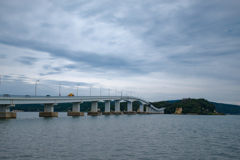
x,y
49,96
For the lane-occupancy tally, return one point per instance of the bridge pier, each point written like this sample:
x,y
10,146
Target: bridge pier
x,y
117,108
147,110
141,108
107,108
48,110
5,111
76,110
129,109
94,109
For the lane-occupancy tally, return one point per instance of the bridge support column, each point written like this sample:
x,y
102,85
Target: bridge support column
x,y
129,109
107,108
129,106
76,110
5,111
141,108
147,109
117,108
94,109
48,110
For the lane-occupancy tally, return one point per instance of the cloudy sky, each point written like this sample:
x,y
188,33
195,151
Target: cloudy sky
x,y
156,49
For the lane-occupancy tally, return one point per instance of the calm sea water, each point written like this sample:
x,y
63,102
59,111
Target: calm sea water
x,y
120,137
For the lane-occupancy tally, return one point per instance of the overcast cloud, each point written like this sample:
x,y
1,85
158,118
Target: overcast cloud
x,y
158,49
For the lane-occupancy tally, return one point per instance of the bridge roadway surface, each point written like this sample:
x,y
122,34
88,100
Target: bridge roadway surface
x,y
49,102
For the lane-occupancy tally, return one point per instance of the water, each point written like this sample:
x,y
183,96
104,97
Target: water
x,y
120,137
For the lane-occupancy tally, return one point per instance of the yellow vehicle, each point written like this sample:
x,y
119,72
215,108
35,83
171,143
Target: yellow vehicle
x,y
71,95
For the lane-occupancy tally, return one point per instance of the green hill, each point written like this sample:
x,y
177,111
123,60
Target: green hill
x,y
227,108
191,106
219,107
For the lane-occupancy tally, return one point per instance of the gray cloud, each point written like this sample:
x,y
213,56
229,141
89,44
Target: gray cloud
x,y
16,84
3,56
27,60
130,38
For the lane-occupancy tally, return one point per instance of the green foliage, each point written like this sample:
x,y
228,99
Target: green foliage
x,y
227,108
161,104
64,107
193,106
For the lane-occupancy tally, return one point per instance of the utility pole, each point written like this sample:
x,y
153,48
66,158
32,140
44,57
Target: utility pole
x,y
60,89
77,89
36,87
0,80
121,93
90,90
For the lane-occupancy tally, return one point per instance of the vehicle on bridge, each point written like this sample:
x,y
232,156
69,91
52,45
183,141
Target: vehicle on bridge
x,y
71,95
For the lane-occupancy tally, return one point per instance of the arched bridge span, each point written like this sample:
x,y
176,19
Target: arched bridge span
x,y
50,102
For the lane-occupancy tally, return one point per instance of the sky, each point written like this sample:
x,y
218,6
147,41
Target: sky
x,y
153,49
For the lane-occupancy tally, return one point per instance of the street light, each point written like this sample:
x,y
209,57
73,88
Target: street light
x,y
121,93
60,89
36,88
0,79
90,90
77,89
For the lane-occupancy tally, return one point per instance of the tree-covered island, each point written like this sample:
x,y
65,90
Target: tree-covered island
x,y
188,106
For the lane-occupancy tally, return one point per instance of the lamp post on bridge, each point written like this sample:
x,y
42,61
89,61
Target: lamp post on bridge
x,y
0,80
115,91
77,89
90,90
121,93
60,89
36,87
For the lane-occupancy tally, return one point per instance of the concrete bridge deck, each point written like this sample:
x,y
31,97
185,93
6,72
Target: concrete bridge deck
x,y
50,101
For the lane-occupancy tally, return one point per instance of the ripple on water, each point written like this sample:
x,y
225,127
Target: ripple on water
x,y
120,137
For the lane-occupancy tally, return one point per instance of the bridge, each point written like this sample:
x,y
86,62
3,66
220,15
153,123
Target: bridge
x,y
6,102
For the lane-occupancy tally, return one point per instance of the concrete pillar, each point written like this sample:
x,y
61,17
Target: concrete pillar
x,y
5,108
129,106
48,107
76,107
117,105
94,109
150,110
147,109
5,111
48,110
94,106
76,110
141,107
107,106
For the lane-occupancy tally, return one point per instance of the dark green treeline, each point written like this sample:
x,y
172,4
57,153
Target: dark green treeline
x,y
64,107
